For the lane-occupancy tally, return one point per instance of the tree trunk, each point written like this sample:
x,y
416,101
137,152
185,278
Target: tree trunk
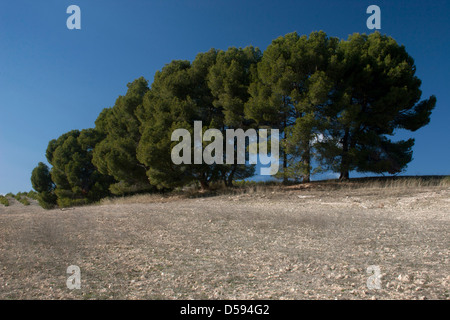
x,y
285,177
345,161
204,184
344,175
229,182
307,164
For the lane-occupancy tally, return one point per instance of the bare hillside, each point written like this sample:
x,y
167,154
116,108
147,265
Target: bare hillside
x,y
291,244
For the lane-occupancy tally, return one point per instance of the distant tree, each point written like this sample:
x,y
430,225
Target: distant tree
x,y
310,94
32,195
4,201
229,80
290,93
376,92
182,92
336,103
41,181
115,154
76,179
178,97
24,201
271,102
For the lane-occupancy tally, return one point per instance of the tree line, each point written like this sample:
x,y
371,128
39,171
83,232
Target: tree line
x,y
337,104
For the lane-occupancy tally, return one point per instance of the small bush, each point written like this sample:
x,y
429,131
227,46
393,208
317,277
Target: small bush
x,y
4,201
124,189
24,201
47,200
32,195
20,195
445,181
67,202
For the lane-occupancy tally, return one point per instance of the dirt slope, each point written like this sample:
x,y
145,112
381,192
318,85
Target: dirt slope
x,y
296,244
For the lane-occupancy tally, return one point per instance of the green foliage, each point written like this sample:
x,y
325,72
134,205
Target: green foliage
x,y
21,197
291,92
229,79
178,97
115,153
32,195
24,201
42,182
375,92
65,201
75,177
47,200
41,179
336,103
122,188
4,201
211,89
18,196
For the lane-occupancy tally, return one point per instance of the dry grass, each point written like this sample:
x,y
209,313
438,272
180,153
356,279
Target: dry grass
x,y
263,242
139,199
380,185
401,182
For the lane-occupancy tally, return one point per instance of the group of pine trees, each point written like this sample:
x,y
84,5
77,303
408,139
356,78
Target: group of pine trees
x,y
336,103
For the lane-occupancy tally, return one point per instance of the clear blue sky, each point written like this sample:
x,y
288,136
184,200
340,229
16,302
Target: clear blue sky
x,y
53,80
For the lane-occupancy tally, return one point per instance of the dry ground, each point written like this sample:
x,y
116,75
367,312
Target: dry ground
x,y
298,243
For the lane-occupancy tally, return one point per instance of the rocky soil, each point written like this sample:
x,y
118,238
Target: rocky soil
x,y
290,244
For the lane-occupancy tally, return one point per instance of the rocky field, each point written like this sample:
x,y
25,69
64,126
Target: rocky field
x,y
294,243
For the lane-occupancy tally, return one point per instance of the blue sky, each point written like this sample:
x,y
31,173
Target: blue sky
x,y
53,80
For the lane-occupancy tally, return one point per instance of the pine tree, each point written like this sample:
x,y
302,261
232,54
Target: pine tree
x,y
229,80
290,93
41,181
115,154
376,92
178,97
76,179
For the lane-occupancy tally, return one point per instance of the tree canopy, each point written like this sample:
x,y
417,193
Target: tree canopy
x,y
115,153
76,179
337,104
375,92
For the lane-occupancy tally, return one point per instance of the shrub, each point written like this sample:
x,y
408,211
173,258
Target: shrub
x,y
4,201
125,189
445,181
32,195
24,201
47,200
67,202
